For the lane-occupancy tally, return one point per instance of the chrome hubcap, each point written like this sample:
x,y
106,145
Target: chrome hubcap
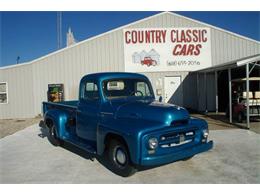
x,y
120,156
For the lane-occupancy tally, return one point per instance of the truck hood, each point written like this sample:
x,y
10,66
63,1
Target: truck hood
x,y
151,111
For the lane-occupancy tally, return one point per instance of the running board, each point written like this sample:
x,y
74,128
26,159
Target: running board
x,y
81,145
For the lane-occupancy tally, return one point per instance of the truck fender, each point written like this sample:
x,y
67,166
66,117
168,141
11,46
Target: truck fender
x,y
101,135
103,132
59,118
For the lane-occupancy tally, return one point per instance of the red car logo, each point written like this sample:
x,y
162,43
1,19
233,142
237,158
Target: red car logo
x,y
148,61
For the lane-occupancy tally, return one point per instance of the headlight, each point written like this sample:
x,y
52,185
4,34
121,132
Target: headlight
x,y
205,133
153,143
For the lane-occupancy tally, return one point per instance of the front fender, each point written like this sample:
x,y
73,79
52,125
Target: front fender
x,y
59,118
131,130
129,139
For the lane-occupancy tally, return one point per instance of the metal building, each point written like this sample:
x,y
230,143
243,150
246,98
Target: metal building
x,y
180,45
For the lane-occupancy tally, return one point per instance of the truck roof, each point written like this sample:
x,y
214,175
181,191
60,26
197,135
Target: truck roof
x,y
111,75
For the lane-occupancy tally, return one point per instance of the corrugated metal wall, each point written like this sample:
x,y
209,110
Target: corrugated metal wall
x,y
227,47
68,66
28,84
20,92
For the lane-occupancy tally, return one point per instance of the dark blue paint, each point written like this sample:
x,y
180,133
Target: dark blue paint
x,y
134,120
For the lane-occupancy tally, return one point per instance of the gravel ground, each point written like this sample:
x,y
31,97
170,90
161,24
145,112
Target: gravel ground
x,y
10,126
28,157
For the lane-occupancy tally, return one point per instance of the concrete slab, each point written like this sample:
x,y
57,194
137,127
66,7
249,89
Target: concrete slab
x,y
28,157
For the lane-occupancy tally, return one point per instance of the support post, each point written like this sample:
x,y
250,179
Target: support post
x,y
216,90
198,92
206,94
230,95
247,97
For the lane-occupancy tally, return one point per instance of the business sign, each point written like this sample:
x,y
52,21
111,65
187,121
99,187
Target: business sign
x,y
166,49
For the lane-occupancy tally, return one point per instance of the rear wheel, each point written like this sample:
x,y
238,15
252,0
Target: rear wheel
x,y
119,159
53,136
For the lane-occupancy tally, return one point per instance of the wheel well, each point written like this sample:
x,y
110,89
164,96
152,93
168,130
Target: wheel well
x,y
49,122
111,136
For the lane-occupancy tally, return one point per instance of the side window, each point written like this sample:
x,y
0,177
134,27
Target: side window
x,y
91,91
143,87
3,93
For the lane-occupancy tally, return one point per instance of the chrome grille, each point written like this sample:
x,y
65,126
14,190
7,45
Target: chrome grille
x,y
177,138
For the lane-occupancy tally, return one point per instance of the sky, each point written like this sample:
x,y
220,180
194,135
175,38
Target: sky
x,y
30,35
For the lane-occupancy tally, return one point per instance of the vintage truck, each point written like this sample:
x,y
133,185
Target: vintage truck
x,y
117,117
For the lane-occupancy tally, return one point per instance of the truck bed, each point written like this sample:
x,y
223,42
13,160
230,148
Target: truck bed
x,y
70,108
65,105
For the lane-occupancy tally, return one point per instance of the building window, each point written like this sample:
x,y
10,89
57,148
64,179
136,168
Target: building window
x,y
3,93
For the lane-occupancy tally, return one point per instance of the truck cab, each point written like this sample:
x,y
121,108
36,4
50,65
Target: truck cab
x,y
117,116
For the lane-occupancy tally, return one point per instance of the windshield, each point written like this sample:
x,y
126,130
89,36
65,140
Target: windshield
x,y
124,88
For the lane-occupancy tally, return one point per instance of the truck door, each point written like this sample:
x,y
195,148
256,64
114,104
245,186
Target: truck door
x,y
88,109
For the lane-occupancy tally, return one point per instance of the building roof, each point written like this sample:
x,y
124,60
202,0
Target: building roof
x,y
232,64
244,79
126,26
248,60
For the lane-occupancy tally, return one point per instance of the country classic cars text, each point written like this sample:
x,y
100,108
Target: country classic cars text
x,y
186,41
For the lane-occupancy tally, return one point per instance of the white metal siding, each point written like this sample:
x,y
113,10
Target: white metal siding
x,y
67,67
228,47
20,93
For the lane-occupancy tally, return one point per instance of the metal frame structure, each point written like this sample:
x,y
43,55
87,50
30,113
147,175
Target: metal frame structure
x,y
246,63
252,60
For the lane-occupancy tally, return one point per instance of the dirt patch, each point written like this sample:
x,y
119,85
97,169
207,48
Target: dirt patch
x,y
10,126
216,121
221,122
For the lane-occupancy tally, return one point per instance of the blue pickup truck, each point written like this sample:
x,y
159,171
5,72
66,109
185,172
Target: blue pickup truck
x,y
118,117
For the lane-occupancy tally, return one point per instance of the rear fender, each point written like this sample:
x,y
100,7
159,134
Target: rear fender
x,y
59,118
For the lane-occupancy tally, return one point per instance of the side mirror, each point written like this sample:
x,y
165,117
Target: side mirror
x,y
160,99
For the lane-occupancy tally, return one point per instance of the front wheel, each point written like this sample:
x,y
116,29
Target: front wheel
x,y
119,159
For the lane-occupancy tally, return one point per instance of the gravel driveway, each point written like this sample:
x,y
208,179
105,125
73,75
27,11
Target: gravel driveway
x,y
28,157
11,126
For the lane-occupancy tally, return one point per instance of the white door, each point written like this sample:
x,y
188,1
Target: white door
x,y
172,93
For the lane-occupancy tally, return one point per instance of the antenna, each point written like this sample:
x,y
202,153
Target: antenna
x,y
17,59
59,30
